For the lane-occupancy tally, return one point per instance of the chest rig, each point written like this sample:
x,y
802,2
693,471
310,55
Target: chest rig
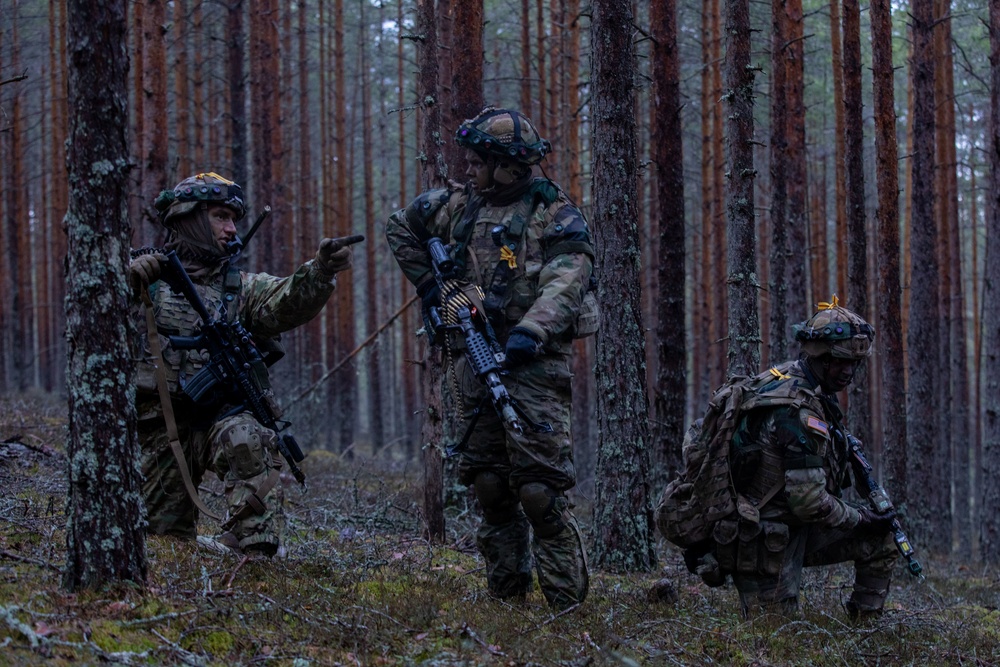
x,y
489,247
176,317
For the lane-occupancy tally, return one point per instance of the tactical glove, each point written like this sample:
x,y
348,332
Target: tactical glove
x,y
145,270
334,255
430,294
875,524
522,346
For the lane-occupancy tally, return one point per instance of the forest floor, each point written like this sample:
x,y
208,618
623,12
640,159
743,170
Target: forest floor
x,y
361,586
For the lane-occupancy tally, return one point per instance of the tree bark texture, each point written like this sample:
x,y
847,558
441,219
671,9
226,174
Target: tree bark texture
x,y
153,152
466,98
622,511
671,378
989,528
741,257
104,540
434,171
923,337
236,111
857,233
799,298
840,226
778,266
953,469
888,320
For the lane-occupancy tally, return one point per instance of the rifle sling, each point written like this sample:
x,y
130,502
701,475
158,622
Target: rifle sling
x,y
168,408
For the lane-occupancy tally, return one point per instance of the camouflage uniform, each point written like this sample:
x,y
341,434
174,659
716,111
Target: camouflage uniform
x,y
790,458
519,479
236,447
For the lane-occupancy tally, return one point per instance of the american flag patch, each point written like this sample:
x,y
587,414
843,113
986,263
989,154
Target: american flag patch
x,y
817,425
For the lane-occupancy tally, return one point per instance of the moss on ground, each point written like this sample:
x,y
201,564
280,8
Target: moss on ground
x,y
361,586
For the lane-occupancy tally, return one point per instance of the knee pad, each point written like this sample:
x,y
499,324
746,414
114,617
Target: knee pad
x,y
545,508
246,445
498,503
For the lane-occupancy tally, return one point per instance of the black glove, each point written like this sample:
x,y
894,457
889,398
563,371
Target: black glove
x,y
522,346
875,524
430,294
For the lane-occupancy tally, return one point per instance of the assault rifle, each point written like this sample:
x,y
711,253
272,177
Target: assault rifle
x,y
482,350
236,369
879,501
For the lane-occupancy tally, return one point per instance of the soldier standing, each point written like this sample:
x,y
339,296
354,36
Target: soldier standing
x,y
527,246
200,214
790,459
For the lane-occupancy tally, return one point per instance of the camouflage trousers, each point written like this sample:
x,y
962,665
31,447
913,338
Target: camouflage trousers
x,y
241,452
508,538
775,586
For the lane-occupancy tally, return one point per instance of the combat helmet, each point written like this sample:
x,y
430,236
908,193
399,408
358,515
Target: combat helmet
x,y
505,134
207,187
837,331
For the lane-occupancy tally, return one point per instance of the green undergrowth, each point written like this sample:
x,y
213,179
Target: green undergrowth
x,y
360,585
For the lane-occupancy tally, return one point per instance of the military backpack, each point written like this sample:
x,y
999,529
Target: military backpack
x,y
704,491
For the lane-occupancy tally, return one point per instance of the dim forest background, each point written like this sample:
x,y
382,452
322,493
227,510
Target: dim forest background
x,y
866,173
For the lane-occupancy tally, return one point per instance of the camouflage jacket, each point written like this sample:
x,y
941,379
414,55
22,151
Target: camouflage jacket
x,y
551,263
265,305
795,444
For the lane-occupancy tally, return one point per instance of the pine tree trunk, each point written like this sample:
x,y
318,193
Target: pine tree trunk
x,y
989,513
622,511
434,172
840,225
888,324
798,297
182,109
741,257
857,247
154,149
347,394
376,408
236,111
778,265
956,419
923,336
670,392
105,540
466,78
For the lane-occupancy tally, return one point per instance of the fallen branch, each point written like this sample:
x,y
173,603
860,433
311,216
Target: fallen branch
x,y
354,352
32,561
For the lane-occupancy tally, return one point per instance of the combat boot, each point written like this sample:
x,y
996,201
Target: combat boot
x,y
868,597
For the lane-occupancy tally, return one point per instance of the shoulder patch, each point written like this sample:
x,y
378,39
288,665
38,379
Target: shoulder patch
x,y
817,425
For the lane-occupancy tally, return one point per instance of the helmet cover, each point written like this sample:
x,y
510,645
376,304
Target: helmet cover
x,y
837,331
203,188
503,133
